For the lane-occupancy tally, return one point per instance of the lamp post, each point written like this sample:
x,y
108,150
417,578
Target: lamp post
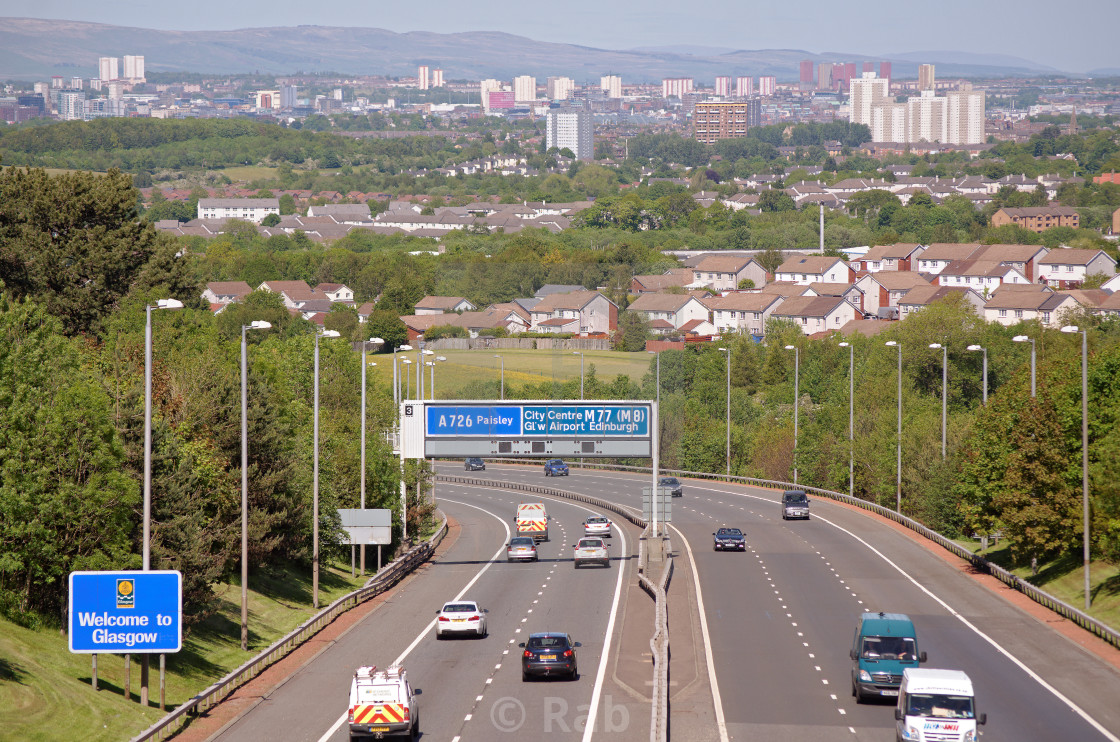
x,y
580,354
254,325
898,464
1025,339
1084,453
396,379
407,376
315,476
432,379
985,350
378,342
503,382
851,418
420,363
727,406
796,392
944,391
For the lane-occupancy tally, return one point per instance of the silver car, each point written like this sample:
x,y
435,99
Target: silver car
x,y
521,549
597,525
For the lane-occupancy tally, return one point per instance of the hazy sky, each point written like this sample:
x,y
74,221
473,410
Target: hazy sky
x,y
1076,35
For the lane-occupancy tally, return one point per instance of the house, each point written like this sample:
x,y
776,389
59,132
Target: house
x,y
884,289
578,312
1037,218
226,292
249,209
343,213
815,314
556,288
443,305
294,293
1022,257
1112,284
743,312
336,292
938,255
667,313
985,276
1011,307
920,297
1110,307
727,272
1067,267
807,269
899,257
659,282
848,291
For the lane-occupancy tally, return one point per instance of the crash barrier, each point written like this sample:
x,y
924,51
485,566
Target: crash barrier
x,y
979,563
659,642
385,578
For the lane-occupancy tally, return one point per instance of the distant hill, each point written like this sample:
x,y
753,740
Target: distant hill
x,y
33,49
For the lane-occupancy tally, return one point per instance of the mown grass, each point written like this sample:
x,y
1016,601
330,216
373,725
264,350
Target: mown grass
x,y
45,692
248,173
1064,578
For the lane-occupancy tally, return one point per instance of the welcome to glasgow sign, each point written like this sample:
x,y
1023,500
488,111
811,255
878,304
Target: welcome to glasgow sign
x,y
126,612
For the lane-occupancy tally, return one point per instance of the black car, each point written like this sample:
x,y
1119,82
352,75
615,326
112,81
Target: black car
x,y
474,464
729,539
555,468
795,504
672,484
549,653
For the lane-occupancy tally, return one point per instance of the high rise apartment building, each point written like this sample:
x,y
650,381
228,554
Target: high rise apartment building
x,y
423,77
289,96
825,76
744,87
524,88
723,86
866,93
560,88
955,118
965,115
72,105
573,130
868,67
885,70
437,78
927,118
485,87
107,68
925,77
767,85
611,85
806,77
676,87
134,68
889,123
712,122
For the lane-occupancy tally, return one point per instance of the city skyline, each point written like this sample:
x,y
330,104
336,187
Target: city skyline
x,y
897,31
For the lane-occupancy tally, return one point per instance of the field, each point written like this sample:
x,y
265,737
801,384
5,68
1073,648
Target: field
x,y
248,173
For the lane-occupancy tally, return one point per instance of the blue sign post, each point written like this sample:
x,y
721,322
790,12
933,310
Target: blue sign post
x,y
126,612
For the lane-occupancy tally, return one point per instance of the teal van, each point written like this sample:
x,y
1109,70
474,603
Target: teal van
x,y
885,644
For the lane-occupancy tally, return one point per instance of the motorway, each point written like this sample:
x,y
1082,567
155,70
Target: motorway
x,y
779,620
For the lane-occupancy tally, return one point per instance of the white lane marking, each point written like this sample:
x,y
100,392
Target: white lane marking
x,y
424,632
721,723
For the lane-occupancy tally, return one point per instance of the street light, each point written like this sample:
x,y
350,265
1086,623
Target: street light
x,y
657,385
851,419
254,325
377,342
898,464
396,380
1084,451
727,405
503,383
315,476
979,347
432,371
407,376
1025,339
944,391
796,390
580,354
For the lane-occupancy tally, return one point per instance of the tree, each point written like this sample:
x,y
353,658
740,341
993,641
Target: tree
x,y
775,200
633,330
270,220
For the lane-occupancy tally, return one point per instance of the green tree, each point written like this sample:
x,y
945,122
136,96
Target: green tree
x,y
270,220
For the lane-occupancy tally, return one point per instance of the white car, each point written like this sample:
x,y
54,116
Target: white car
x,y
461,617
591,550
597,525
522,549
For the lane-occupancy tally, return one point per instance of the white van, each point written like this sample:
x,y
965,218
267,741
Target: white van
x,y
936,705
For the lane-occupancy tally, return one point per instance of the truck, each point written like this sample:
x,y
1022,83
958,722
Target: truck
x,y
532,520
936,705
382,703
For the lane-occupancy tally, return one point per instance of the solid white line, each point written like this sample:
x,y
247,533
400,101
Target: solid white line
x,y
424,632
717,699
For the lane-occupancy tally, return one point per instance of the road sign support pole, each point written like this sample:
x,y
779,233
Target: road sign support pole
x,y
162,680
128,677
144,680
93,680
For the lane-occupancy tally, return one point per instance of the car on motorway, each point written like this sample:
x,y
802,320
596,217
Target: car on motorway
x,y
672,484
522,549
555,468
883,647
382,702
549,653
461,617
795,504
729,539
474,464
597,525
591,550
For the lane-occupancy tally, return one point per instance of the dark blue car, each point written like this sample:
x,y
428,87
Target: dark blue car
x,y
555,468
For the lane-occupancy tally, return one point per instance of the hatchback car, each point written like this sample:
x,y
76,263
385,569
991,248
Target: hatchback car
x,y
555,468
729,539
474,464
522,549
461,617
591,550
795,504
597,525
672,484
549,653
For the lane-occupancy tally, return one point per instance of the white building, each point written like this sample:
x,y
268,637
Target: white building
x,y
249,209
611,85
866,93
560,88
107,68
927,118
767,85
676,87
723,86
524,88
437,78
134,68
744,87
965,115
72,105
423,77
572,129
486,87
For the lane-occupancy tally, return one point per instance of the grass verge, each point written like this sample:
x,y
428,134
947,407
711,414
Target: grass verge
x,y
45,692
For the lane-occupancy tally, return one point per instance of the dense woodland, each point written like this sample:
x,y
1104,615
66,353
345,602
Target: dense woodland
x,y
79,262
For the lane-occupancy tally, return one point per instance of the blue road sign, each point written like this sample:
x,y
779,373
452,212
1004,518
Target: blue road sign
x,y
471,420
126,612
574,419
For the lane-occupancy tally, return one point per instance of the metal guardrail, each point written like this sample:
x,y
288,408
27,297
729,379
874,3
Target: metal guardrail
x,y
659,647
1043,598
385,578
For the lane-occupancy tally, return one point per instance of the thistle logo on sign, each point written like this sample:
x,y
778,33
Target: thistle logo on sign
x,y
126,594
